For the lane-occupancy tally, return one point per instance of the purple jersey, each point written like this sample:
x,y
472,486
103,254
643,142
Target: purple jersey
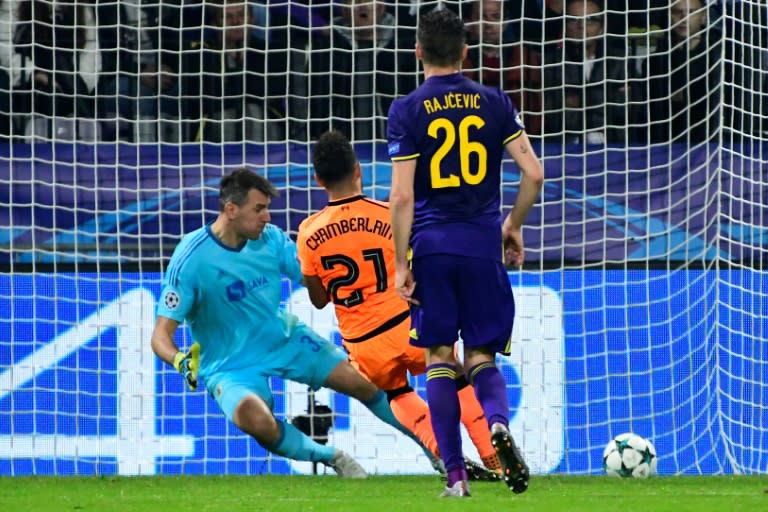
x,y
457,130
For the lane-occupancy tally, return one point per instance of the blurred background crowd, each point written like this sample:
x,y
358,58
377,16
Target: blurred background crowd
x,y
580,71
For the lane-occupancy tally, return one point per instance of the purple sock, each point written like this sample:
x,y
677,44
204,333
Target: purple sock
x,y
491,391
456,475
446,413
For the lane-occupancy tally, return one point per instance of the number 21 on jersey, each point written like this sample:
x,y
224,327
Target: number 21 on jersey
x,y
352,274
442,128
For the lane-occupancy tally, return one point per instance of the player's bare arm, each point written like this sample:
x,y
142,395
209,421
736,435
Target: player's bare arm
x,y
317,292
162,339
532,179
401,201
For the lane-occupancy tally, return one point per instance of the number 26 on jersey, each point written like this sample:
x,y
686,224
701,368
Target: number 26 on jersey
x,y
442,128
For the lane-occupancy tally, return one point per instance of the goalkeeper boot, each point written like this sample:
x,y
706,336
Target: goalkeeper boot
x,y
479,473
513,468
437,465
346,467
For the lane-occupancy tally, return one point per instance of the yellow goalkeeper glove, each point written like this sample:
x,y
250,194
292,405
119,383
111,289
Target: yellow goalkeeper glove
x,y
187,364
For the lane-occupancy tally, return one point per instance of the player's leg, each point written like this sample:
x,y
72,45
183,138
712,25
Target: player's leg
x,y
435,327
345,379
486,331
384,361
319,363
246,400
473,419
413,412
487,381
471,416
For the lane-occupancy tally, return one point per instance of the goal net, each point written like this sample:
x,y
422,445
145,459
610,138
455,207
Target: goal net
x,y
642,304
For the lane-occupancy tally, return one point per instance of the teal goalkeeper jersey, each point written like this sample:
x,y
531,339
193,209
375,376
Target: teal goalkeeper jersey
x,y
230,298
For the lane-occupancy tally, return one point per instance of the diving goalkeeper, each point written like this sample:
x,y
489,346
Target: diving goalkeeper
x,y
225,280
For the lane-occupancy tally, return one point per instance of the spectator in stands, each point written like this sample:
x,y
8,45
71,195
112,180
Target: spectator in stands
x,y
683,77
494,60
9,59
9,66
232,89
167,29
290,26
5,106
538,22
305,14
118,42
585,81
542,22
745,102
644,22
358,69
418,8
58,45
172,24
158,100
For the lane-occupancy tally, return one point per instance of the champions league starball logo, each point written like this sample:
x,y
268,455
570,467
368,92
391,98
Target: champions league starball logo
x,y
171,300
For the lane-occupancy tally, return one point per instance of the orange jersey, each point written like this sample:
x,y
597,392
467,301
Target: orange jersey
x,y
349,246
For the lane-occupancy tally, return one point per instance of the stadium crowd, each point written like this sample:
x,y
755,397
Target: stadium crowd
x,y
580,71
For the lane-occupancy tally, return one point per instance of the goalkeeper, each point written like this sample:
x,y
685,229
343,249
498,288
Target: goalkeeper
x,y
347,257
225,280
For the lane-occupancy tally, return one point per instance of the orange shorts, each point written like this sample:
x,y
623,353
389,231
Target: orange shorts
x,y
386,359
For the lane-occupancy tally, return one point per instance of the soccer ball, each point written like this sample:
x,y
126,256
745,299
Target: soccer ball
x,y
629,455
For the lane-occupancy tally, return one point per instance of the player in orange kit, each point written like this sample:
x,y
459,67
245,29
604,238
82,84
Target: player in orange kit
x,y
347,257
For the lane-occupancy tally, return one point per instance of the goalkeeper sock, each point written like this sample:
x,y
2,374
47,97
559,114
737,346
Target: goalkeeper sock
x,y
446,412
473,419
379,406
491,391
412,411
296,445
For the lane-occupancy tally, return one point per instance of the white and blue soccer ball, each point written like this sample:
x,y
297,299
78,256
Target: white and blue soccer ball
x,y
629,455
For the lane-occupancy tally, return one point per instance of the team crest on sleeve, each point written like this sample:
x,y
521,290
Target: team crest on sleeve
x,y
171,300
393,148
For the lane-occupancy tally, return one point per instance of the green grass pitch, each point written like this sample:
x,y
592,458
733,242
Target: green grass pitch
x,y
379,494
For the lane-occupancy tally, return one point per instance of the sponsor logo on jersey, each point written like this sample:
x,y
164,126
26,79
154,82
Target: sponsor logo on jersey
x,y
239,289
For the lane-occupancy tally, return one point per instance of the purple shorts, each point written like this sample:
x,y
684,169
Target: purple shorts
x,y
462,295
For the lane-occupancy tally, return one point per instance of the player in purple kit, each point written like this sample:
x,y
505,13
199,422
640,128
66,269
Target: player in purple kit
x,y
446,142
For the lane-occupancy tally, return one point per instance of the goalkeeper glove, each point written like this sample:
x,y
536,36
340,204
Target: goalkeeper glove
x,y
187,364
